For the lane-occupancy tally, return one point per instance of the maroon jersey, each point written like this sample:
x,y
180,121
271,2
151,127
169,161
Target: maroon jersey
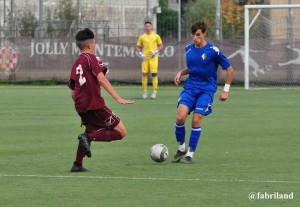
x,y
83,80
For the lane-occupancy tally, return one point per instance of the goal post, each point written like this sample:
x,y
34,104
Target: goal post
x,y
271,46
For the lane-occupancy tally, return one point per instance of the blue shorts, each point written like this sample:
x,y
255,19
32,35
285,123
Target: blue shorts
x,y
197,101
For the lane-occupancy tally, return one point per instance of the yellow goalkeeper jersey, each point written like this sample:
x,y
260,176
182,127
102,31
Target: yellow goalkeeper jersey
x,y
149,43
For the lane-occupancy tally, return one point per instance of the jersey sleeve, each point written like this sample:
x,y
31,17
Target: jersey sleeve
x,y
140,41
97,65
71,84
223,61
158,40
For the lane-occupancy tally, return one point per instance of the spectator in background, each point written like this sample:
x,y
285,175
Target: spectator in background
x,y
148,46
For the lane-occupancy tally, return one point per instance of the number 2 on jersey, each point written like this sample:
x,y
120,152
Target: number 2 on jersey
x,y
79,71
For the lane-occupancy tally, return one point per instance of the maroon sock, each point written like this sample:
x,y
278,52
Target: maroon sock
x,y
79,154
105,135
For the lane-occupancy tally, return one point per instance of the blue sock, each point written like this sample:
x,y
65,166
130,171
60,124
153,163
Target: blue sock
x,y
194,138
180,133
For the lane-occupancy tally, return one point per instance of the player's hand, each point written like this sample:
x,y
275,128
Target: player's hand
x,y
177,78
223,96
123,101
153,54
141,56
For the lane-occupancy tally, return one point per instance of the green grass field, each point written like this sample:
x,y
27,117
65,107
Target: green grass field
x,y
249,143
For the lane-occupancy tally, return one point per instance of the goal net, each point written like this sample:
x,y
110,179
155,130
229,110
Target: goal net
x,y
272,46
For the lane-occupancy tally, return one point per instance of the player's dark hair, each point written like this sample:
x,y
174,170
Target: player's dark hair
x,y
148,22
198,25
82,36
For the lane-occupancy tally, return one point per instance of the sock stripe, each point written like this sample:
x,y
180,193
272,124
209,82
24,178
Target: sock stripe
x,y
178,125
196,128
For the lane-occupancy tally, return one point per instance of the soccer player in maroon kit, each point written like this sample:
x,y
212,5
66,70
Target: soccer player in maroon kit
x,y
87,75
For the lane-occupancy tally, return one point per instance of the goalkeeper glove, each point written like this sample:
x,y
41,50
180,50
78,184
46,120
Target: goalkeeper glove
x,y
152,54
141,56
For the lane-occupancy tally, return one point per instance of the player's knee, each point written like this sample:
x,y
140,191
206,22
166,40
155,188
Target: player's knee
x,y
154,74
123,133
196,120
121,129
180,120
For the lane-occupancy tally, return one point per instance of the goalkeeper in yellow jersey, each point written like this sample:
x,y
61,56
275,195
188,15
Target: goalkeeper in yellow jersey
x,y
148,46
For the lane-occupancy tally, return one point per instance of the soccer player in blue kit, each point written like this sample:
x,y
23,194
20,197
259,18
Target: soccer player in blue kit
x,y
202,60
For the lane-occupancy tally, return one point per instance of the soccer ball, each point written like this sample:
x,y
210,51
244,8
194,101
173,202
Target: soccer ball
x,y
159,152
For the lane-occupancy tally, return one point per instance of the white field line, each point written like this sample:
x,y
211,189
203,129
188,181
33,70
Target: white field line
x,y
152,178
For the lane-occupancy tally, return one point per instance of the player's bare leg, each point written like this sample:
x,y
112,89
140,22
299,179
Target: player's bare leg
x,y
121,129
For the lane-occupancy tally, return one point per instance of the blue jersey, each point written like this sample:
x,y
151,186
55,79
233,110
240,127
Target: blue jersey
x,y
202,64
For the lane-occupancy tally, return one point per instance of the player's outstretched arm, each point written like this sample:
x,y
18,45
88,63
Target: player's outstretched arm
x,y
104,82
224,94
